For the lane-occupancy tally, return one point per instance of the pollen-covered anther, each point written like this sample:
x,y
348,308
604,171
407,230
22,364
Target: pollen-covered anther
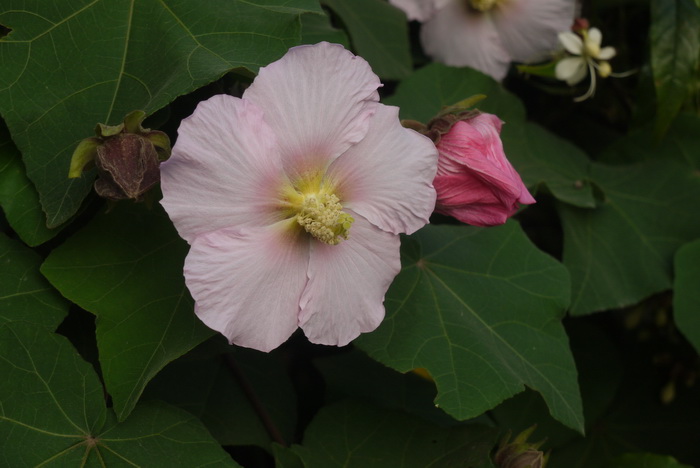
x,y
483,5
322,216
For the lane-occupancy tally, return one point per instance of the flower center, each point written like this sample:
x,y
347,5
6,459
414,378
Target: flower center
x,y
322,216
483,5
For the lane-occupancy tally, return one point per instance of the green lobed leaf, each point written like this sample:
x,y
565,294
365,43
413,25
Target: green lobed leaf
x,y
480,309
675,49
18,197
686,292
600,374
285,457
349,434
637,420
645,460
53,414
317,28
203,383
125,267
680,144
25,295
622,251
539,156
355,375
379,33
69,65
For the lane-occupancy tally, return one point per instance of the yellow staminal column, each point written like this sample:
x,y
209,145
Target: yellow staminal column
x,y
322,216
483,5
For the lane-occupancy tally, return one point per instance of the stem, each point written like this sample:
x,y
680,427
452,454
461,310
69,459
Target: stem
x,y
255,402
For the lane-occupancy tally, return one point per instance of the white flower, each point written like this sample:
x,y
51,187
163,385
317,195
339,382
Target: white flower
x,y
488,34
293,198
589,58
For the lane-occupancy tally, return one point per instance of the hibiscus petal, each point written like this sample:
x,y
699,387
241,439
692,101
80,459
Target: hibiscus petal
x,y
476,147
420,10
347,283
484,215
225,169
571,42
459,37
247,284
463,190
571,69
387,177
529,28
318,100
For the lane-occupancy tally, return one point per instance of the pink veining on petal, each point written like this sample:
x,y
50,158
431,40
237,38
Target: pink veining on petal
x,y
225,140
387,177
475,182
247,284
347,284
318,100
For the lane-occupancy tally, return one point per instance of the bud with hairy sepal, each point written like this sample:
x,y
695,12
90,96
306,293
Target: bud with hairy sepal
x,y
127,157
520,453
475,182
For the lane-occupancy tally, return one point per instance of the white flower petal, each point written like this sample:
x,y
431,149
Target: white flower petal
x,y
347,284
247,284
387,177
606,53
318,100
419,10
571,42
459,37
225,169
571,69
529,28
595,36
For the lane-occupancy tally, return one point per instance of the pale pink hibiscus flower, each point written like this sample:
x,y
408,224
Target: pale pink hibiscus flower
x,y
292,199
488,34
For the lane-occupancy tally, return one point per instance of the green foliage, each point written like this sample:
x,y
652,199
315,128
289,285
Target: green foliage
x,y
18,197
378,33
509,334
645,460
687,293
317,28
622,252
350,434
675,43
53,413
24,293
539,156
485,334
356,375
69,65
211,383
125,267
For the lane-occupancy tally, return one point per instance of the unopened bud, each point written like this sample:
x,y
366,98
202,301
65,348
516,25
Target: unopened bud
x,y
127,157
604,69
580,24
520,453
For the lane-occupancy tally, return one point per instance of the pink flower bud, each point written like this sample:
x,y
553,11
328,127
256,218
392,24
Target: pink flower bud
x,y
475,183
